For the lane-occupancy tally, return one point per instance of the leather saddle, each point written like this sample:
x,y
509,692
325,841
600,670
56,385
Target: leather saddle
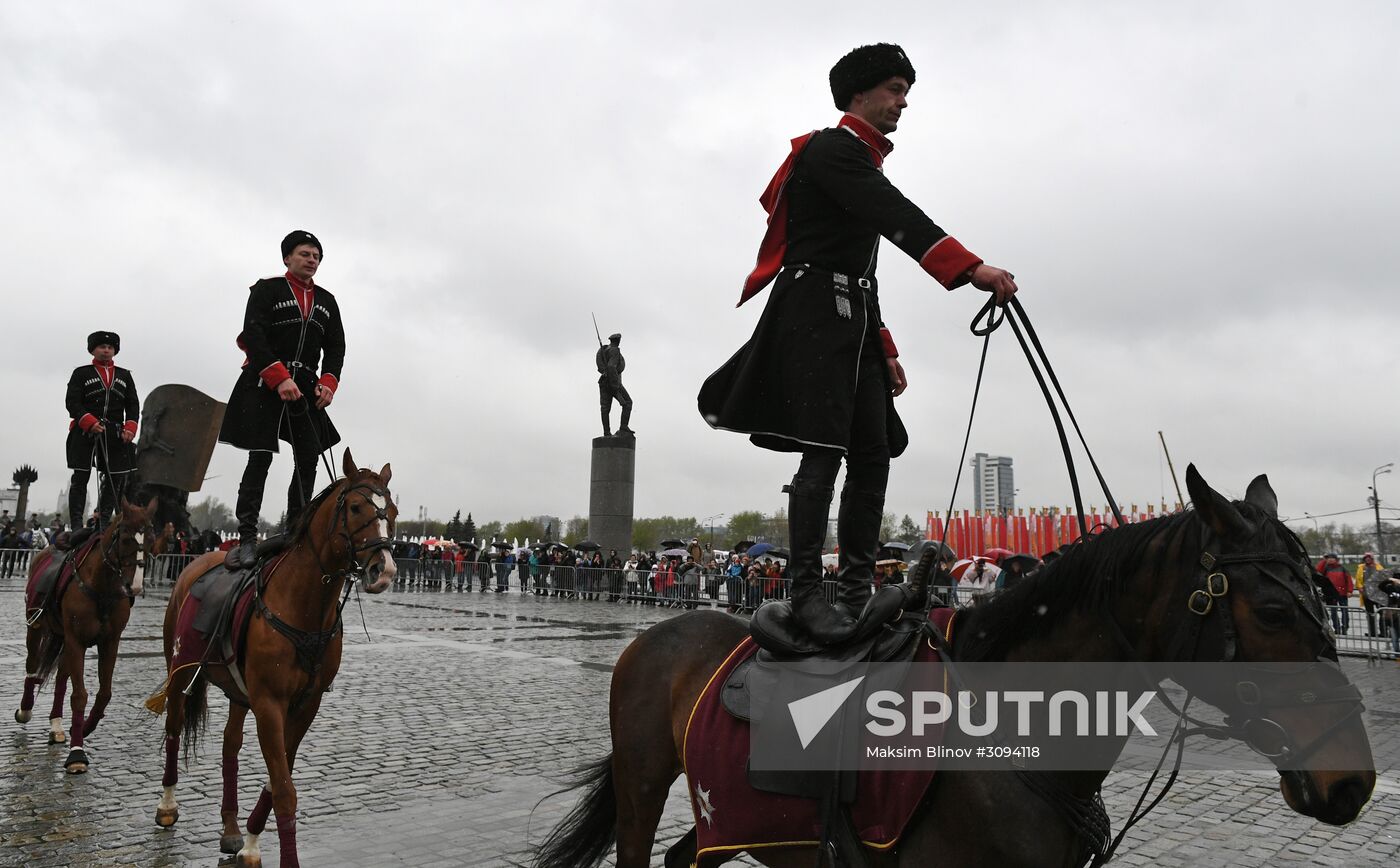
x,y
218,591
776,629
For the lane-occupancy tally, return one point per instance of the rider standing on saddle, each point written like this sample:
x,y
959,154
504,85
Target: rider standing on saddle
x,y
103,408
820,372
289,325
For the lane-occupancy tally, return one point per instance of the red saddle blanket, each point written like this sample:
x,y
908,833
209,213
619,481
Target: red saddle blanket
x,y
731,816
192,646
51,571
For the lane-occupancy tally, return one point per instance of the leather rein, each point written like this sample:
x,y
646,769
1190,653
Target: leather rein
x,y
310,645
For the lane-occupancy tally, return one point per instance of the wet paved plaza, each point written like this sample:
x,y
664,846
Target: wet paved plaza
x,y
461,711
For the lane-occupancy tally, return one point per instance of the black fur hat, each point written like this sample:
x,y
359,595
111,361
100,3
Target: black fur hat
x,y
298,237
97,338
866,67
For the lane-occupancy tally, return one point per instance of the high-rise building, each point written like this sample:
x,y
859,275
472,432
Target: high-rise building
x,y
993,483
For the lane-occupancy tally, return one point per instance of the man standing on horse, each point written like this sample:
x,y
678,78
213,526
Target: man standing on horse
x,y
291,328
820,373
103,410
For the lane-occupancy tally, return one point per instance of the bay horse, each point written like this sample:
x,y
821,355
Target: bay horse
x,y
292,652
92,610
1128,593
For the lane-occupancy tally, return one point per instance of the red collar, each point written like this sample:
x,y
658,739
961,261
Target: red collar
x,y
106,370
879,145
298,283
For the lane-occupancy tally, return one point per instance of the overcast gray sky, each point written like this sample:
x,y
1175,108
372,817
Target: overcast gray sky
x,y
1198,199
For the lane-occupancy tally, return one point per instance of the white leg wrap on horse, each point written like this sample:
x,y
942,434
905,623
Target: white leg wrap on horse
x,y
56,726
167,800
250,845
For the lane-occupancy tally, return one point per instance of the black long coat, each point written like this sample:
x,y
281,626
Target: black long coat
x,y
274,332
114,406
793,384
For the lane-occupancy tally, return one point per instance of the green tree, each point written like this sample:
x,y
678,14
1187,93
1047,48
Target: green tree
x,y
575,530
213,514
489,531
889,527
454,527
909,533
647,533
468,528
745,525
523,529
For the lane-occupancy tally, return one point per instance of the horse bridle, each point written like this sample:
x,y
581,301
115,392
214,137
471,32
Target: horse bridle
x,y
356,569
115,566
1255,699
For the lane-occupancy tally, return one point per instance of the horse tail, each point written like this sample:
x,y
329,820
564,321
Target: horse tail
x,y
50,651
589,831
196,713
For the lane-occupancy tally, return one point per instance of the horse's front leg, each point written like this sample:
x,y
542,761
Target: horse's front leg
x,y
106,665
231,839
279,795
73,653
292,728
60,690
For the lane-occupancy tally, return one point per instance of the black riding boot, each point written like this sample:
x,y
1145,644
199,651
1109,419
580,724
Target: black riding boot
x,y
77,498
858,533
807,510
247,509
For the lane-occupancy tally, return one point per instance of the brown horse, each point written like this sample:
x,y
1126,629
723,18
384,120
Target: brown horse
x,y
93,610
292,652
1147,579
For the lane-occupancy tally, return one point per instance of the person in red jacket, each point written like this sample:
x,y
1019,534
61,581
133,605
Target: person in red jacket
x,y
1337,575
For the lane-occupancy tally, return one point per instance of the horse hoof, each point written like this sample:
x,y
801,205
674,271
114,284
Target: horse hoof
x,y
77,762
58,738
230,843
22,716
165,818
248,861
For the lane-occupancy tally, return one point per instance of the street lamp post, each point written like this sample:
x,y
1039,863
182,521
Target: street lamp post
x,y
710,520
1376,502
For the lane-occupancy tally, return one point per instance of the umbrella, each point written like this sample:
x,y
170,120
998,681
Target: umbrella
x,y
430,541
560,546
671,544
587,545
996,554
889,562
675,553
469,546
504,546
1027,562
962,566
895,546
542,545
767,550
743,545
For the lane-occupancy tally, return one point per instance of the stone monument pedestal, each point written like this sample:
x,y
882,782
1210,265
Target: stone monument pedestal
x,y
610,493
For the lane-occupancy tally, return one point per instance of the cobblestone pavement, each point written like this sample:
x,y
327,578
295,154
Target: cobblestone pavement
x,y
444,732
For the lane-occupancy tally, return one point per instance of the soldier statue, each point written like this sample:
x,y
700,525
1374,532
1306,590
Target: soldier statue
x,y
610,368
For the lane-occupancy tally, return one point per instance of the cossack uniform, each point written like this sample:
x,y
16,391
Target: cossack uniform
x,y
100,393
291,330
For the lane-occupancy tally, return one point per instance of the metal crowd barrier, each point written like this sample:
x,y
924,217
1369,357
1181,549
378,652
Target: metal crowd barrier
x,y
1374,634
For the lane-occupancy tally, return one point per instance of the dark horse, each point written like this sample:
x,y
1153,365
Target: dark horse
x,y
292,652
93,610
1129,593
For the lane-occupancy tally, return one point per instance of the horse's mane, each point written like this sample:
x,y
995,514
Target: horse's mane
x,y
1087,577
302,526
